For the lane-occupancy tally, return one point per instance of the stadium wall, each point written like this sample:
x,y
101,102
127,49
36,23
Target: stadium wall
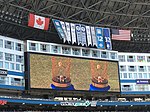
x,y
11,63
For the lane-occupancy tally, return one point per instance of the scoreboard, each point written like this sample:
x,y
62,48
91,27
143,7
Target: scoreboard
x,y
57,72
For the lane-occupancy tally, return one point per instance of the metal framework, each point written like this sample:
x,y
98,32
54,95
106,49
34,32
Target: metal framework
x,y
124,14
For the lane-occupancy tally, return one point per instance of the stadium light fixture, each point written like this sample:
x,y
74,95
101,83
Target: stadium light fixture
x,y
19,22
8,16
6,13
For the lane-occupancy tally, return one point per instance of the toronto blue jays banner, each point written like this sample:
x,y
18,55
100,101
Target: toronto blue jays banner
x,y
93,36
59,28
106,35
88,33
83,35
78,33
100,39
64,29
73,33
68,31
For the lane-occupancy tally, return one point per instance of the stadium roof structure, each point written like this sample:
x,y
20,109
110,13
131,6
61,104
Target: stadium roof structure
x,y
122,14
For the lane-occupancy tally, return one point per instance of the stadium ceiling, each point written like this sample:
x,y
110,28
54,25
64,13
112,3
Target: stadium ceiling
x,y
124,14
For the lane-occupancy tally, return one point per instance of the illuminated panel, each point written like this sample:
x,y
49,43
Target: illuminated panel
x,y
69,73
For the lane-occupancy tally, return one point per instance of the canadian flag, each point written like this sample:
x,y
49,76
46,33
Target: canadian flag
x,y
38,22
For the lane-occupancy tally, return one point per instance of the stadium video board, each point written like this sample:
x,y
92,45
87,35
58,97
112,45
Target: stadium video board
x,y
72,73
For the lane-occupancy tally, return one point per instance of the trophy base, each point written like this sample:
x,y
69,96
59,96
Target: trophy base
x,y
99,85
71,87
93,88
62,85
99,82
61,81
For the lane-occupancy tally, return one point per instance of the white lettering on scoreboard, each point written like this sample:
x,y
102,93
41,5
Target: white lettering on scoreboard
x,y
76,104
3,72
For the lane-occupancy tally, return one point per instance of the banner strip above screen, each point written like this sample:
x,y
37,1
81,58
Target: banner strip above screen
x,y
84,35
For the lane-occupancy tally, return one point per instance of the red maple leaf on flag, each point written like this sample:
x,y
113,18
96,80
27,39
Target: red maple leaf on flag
x,y
39,21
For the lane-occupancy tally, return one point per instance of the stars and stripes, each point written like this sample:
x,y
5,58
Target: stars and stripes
x,y
121,34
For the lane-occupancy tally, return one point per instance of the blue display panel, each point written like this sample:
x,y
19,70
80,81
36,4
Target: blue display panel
x,y
106,35
100,38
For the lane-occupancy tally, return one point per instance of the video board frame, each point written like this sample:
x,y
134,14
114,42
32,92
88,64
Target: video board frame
x,y
27,73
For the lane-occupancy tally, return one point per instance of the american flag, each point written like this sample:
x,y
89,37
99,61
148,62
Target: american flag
x,y
121,34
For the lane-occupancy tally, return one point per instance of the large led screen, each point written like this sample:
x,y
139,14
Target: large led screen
x,y
70,73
